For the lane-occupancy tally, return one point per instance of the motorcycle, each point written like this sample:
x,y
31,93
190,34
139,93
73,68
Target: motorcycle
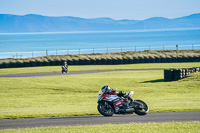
x,y
112,104
64,69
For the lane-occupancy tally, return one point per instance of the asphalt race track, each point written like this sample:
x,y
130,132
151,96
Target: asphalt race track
x,y
70,73
98,119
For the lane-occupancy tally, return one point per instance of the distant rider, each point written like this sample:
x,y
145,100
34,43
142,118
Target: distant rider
x,y
65,66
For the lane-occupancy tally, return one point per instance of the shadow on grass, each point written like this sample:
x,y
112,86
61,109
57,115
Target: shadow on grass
x,y
154,81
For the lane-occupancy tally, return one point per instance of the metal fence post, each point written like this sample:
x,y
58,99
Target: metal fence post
x,y
176,48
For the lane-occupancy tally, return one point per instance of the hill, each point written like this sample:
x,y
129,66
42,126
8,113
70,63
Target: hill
x,y
38,23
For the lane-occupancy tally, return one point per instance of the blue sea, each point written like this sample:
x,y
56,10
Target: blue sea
x,y
23,45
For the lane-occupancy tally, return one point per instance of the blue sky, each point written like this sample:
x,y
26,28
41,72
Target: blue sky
x,y
116,9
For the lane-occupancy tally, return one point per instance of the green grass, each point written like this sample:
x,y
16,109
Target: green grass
x,y
98,67
71,95
168,127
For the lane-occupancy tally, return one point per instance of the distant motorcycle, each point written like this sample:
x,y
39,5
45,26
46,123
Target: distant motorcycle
x,y
64,69
112,104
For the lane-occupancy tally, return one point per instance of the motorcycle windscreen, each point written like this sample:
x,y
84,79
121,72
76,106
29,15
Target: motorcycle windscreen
x,y
131,93
99,95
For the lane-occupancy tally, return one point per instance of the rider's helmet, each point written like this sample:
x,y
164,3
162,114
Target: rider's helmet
x,y
64,63
105,89
122,93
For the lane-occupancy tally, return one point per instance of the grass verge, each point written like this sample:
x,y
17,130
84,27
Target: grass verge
x,y
77,94
168,127
98,67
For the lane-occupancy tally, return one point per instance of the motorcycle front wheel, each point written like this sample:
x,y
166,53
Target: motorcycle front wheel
x,y
142,109
105,110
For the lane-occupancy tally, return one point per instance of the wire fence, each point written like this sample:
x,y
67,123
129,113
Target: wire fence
x,y
31,54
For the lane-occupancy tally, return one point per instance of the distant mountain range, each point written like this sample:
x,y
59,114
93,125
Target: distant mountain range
x,y
38,23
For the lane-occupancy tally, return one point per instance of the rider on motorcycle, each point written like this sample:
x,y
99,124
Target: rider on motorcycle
x,y
107,90
65,65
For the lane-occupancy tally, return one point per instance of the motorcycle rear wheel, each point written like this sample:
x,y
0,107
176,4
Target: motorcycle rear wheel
x,y
63,71
105,110
143,110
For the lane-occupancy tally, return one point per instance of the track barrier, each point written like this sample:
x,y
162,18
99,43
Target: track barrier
x,y
177,74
